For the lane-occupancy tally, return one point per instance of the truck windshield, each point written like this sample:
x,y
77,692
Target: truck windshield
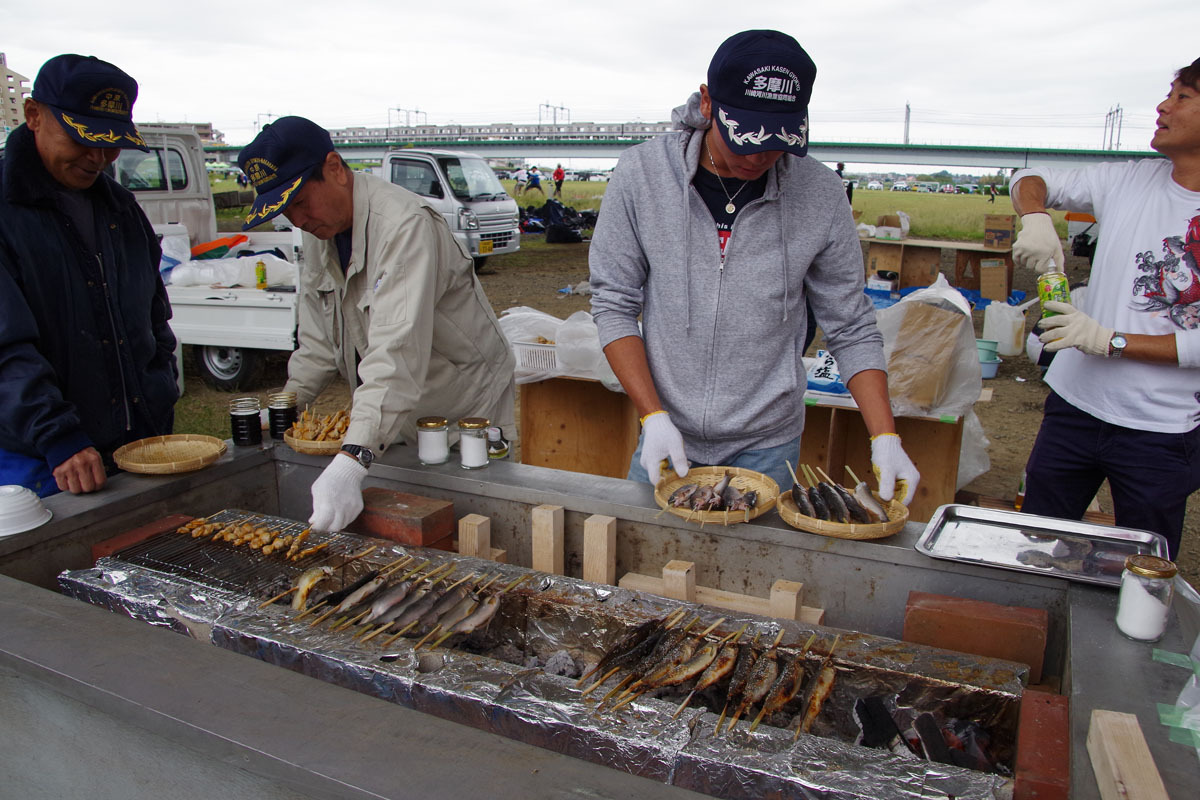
x,y
471,178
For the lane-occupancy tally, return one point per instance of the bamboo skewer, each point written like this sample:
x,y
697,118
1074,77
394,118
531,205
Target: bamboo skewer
x,y
276,598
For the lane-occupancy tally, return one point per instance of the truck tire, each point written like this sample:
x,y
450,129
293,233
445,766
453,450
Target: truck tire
x,y
228,369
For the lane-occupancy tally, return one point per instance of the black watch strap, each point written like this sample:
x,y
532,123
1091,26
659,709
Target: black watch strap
x,y
364,455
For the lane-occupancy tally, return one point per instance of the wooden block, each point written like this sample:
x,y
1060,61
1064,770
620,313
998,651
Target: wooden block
x,y
548,549
600,549
1121,759
405,518
785,599
679,580
1043,747
475,536
1014,633
121,541
747,604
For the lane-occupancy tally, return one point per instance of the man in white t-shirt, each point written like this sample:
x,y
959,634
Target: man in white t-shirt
x,y
1125,403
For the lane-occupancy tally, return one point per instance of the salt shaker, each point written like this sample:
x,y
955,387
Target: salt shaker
x,y
472,441
1147,585
433,442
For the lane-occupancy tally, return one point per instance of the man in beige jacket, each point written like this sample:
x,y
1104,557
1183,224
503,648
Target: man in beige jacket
x,y
388,299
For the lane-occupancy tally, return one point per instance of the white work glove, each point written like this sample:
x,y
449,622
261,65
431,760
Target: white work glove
x,y
1073,328
661,439
892,466
1038,244
337,494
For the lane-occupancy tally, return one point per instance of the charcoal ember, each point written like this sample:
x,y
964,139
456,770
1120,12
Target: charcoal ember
x,y
561,663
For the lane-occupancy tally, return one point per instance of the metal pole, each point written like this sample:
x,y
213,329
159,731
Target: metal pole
x,y
907,115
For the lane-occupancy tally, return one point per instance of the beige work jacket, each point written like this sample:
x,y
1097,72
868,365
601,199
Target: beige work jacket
x,y
408,322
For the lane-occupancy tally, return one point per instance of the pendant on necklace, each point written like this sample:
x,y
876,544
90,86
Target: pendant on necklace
x,y
730,208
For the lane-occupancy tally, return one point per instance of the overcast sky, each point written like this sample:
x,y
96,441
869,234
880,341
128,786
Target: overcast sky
x,y
1024,72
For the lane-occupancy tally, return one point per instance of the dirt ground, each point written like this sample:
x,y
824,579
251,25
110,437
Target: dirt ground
x,y
1010,419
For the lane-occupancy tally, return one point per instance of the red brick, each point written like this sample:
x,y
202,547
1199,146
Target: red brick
x,y
1043,747
449,544
406,518
1014,633
121,541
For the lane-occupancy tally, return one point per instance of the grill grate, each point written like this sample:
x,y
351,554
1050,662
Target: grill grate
x,y
237,568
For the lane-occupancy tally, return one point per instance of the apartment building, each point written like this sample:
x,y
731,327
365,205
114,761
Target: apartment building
x,y
14,88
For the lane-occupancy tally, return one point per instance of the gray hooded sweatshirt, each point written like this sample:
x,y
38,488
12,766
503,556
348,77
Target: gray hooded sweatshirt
x,y
725,344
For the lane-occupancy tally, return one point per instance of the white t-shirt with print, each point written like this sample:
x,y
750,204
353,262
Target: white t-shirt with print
x,y
1145,279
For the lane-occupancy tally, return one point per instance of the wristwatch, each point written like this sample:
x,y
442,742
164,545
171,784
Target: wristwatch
x,y
363,455
1116,345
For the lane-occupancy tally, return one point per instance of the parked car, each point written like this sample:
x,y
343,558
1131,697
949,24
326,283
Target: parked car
x,y
967,188
899,186
947,188
876,185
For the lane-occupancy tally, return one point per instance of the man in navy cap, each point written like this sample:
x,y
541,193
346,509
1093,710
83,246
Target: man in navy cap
x,y
716,236
87,360
389,299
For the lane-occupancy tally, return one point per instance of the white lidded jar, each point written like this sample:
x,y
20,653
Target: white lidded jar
x,y
433,440
472,441
1147,585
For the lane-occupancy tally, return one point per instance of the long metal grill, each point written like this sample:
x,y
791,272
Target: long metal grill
x,y
223,565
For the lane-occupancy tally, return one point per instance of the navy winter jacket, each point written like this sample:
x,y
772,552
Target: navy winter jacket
x,y
86,355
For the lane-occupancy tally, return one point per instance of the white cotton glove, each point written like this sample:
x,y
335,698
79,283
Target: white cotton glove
x,y
337,494
661,439
892,466
1038,244
1073,328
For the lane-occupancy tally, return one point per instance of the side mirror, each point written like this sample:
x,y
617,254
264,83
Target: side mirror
x,y
435,189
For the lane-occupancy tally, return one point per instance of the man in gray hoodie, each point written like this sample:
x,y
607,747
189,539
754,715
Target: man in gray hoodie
x,y
715,236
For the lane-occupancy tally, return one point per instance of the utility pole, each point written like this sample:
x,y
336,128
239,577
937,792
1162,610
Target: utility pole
x,y
258,120
408,115
1112,129
907,117
553,112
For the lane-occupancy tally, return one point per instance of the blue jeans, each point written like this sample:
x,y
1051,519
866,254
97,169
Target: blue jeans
x,y
769,461
1150,474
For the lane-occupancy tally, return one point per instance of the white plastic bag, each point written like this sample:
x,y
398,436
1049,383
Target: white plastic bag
x,y
532,335
973,459
234,272
579,353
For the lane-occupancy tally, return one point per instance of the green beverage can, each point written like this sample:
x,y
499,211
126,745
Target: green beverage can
x,y
1053,286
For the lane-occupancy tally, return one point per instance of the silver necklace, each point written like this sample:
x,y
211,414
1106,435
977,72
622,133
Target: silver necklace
x,y
729,207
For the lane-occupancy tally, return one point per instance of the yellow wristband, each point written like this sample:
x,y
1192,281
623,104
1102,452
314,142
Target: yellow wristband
x,y
642,421
878,435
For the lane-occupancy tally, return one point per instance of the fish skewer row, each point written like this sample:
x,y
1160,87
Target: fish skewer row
x,y
760,680
862,493
636,651
818,692
854,509
673,667
628,642
786,686
720,668
670,639
737,682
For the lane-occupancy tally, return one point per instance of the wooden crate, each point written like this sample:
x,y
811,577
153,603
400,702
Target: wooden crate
x,y
577,425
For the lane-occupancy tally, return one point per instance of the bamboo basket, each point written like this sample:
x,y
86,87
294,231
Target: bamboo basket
x,y
167,455
897,513
325,447
744,479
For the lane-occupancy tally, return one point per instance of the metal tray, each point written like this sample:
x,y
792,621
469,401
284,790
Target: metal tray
x,y
1062,548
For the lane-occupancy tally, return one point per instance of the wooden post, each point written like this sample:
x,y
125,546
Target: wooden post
x,y
679,581
600,549
548,548
1121,758
786,599
475,536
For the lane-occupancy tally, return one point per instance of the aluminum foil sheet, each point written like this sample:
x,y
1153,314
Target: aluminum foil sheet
x,y
553,617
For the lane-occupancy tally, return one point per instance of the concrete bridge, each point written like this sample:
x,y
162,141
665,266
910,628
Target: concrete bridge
x,y
597,145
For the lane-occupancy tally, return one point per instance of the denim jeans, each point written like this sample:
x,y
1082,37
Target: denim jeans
x,y
769,461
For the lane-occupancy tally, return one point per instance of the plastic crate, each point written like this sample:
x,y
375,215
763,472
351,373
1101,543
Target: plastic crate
x,y
534,356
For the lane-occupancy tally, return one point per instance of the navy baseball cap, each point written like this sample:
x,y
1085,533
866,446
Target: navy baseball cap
x,y
281,158
92,99
760,83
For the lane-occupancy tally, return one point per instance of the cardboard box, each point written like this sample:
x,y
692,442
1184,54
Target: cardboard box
x,y
888,232
882,285
919,366
998,230
993,279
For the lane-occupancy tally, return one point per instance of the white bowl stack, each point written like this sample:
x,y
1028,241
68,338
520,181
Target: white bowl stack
x,y
20,510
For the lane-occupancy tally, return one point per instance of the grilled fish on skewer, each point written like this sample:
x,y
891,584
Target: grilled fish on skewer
x,y
822,686
862,493
833,500
634,654
854,509
670,663
681,497
820,510
760,680
305,583
666,644
720,668
787,685
737,684
800,494
630,640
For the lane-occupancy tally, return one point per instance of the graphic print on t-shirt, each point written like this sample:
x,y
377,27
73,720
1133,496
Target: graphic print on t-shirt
x,y
1170,287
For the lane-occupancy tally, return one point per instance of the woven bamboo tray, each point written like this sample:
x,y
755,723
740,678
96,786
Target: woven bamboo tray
x,y
167,455
744,479
325,447
897,513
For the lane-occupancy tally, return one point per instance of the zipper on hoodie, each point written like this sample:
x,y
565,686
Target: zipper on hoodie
x,y
112,323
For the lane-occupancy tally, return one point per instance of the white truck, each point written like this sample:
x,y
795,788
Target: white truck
x,y
232,330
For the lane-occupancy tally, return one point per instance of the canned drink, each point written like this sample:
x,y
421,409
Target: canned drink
x,y
1053,286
